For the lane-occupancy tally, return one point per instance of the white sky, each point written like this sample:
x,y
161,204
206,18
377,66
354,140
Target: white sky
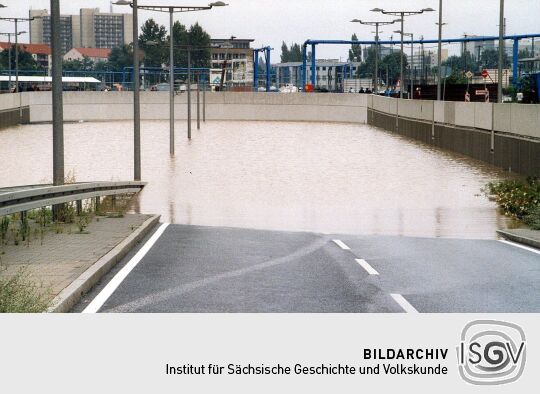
x,y
270,22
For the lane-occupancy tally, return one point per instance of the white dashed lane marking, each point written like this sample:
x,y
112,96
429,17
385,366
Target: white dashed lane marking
x,y
341,244
404,303
364,264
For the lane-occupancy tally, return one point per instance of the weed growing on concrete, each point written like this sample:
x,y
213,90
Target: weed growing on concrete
x,y
4,228
519,199
19,294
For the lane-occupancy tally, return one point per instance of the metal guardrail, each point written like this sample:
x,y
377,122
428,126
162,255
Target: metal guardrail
x,y
24,198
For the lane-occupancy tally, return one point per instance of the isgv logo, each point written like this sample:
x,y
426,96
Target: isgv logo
x,y
491,352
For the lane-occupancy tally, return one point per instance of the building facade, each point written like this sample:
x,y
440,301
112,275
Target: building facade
x,y
41,53
94,54
239,57
89,29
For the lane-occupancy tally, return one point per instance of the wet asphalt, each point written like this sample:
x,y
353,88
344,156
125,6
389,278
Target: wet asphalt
x,y
193,269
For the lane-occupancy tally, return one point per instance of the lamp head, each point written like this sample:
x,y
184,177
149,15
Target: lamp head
x,y
218,4
122,2
377,10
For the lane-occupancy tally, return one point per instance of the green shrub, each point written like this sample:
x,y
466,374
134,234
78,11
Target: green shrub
x,y
517,198
18,294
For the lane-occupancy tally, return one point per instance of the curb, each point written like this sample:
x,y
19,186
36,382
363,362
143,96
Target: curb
x,y
519,239
72,294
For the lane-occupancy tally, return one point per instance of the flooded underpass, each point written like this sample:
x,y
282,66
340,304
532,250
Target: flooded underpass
x,y
317,177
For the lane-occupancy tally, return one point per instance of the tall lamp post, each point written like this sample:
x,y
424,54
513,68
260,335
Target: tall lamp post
x,y
501,53
171,10
9,51
376,24
439,52
412,59
402,15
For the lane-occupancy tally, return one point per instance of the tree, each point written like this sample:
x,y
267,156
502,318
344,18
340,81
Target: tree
x,y
462,63
154,53
292,54
355,53
367,68
490,59
78,65
285,55
295,53
391,63
121,57
26,61
181,37
199,38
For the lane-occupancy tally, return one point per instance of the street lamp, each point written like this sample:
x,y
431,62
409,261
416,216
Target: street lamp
x,y
171,10
412,57
402,15
501,53
9,51
376,24
439,50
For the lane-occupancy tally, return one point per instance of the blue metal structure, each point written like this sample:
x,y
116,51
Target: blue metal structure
x,y
256,52
514,38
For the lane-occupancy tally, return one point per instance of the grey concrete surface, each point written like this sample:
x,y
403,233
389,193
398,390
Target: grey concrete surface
x,y
524,236
205,269
71,295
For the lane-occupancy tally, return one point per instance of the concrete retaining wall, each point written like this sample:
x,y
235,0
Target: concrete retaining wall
x,y
10,114
521,120
466,128
100,106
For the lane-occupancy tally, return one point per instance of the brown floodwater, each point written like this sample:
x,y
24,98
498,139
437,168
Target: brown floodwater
x,y
321,177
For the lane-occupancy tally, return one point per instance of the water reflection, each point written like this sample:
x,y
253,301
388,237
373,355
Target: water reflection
x,y
271,175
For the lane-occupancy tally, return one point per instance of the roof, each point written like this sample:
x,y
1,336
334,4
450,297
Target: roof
x,y
233,40
94,52
5,78
35,49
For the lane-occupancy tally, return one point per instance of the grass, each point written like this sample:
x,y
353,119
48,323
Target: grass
x,y
519,199
19,294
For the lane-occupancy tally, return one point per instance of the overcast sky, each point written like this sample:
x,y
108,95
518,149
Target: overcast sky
x,y
270,22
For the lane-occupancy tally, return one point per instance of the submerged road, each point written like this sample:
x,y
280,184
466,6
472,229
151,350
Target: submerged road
x,y
211,269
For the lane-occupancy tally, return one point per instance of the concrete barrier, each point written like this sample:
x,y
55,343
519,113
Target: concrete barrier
x,y
10,113
101,106
466,128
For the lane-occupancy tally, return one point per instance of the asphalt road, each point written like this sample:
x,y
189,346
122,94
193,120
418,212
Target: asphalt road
x,y
210,269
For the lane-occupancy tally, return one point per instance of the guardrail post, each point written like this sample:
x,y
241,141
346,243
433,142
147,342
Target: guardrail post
x,y
198,102
204,103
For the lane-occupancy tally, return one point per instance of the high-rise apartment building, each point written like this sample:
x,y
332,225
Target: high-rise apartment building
x,y
89,29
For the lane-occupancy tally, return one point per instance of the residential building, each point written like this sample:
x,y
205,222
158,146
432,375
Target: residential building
x,y
40,52
383,51
94,54
239,56
89,29
40,29
105,30
434,56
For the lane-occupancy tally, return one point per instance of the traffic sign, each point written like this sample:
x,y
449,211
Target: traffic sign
x,y
485,74
469,74
482,92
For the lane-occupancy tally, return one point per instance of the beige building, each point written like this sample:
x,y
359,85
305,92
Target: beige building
x,y
90,29
94,54
239,56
